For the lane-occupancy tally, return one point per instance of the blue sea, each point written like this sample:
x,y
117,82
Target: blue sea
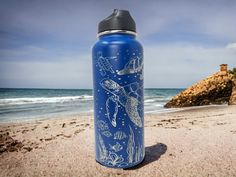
x,y
25,104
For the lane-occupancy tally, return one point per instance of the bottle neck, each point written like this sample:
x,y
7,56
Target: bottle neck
x,y
117,32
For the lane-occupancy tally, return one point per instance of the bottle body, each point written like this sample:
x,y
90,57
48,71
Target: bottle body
x,y
118,100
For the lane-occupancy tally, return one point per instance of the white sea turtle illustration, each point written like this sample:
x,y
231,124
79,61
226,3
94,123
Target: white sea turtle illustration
x,y
104,64
135,65
126,96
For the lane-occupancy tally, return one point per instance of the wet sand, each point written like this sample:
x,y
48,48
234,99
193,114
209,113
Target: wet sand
x,y
193,142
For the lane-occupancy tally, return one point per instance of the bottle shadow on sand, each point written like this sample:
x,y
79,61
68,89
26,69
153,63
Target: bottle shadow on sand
x,y
152,153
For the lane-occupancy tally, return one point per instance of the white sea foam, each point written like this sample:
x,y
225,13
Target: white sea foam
x,y
36,103
159,105
149,100
154,102
35,100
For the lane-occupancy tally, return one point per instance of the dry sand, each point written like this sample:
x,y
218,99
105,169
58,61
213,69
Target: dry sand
x,y
196,142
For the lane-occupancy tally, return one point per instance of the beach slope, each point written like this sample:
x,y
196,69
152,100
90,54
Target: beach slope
x,y
193,142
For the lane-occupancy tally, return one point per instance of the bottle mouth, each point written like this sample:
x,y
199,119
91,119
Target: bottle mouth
x,y
116,31
120,21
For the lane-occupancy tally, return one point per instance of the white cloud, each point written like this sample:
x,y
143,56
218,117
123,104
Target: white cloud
x,y
73,21
75,72
65,26
178,65
169,65
212,18
231,46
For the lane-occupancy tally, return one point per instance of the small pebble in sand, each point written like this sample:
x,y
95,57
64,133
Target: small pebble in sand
x,y
24,131
47,126
78,131
67,136
63,125
59,135
48,139
86,125
28,148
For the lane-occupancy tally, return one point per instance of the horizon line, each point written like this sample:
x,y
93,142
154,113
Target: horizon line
x,y
80,88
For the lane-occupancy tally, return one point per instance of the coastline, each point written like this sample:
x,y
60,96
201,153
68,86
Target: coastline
x,y
82,114
189,142
19,104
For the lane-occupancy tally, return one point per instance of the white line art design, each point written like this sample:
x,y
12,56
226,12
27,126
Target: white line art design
x,y
120,135
107,134
135,65
102,125
130,146
117,147
127,96
109,157
112,109
104,64
115,160
141,76
102,149
138,153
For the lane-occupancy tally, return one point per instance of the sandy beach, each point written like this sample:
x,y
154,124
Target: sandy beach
x,y
193,142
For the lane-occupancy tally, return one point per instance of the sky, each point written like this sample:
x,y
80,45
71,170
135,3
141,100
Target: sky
x,y
47,44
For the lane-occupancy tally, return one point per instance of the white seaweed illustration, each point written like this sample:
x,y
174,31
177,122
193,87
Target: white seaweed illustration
x,y
120,135
141,76
102,149
110,157
117,147
138,153
130,146
107,134
135,65
127,96
104,64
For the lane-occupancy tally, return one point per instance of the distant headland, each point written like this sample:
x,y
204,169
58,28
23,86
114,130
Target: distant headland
x,y
219,88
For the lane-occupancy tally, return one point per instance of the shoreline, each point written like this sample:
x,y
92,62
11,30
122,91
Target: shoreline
x,y
195,142
58,116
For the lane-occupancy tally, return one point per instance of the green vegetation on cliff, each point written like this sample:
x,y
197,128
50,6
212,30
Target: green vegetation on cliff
x,y
233,71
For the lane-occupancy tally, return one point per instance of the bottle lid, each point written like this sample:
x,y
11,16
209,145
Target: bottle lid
x,y
120,21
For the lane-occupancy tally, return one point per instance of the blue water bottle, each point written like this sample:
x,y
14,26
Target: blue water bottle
x,y
118,93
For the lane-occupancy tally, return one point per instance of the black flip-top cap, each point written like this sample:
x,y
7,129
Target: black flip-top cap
x,y
118,20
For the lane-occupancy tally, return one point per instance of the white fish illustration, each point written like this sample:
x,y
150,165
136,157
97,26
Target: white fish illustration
x,y
135,65
117,147
107,134
120,135
102,125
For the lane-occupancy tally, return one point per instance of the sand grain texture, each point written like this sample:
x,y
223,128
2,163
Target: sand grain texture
x,y
196,142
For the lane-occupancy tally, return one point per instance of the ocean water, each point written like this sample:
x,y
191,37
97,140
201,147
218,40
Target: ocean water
x,y
24,104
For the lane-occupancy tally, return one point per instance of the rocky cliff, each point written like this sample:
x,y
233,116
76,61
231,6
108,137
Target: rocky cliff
x,y
215,89
232,100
